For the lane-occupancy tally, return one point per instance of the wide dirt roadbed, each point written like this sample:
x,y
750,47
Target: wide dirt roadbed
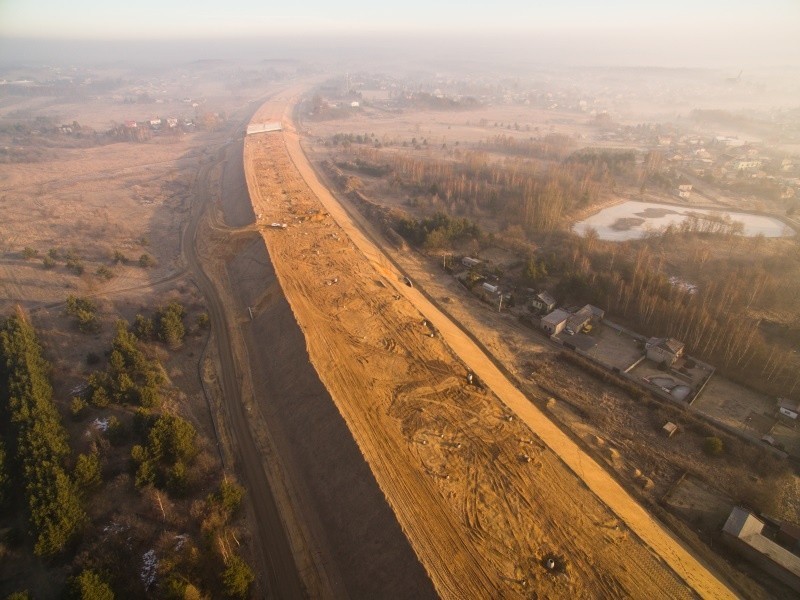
x,y
483,500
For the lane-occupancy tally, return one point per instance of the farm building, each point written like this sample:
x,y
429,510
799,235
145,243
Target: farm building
x,y
744,533
554,322
664,350
583,317
470,262
543,302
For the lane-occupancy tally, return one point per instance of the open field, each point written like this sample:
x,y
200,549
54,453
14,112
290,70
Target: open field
x,y
731,404
77,216
614,348
455,464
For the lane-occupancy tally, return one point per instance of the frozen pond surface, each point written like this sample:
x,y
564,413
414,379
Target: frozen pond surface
x,y
632,220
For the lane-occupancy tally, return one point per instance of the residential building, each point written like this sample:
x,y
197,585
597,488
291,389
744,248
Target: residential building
x,y
664,350
543,302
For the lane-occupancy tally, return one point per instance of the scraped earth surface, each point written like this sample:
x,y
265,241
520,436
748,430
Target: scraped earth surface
x,y
482,499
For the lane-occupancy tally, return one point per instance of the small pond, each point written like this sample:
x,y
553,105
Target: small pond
x,y
632,220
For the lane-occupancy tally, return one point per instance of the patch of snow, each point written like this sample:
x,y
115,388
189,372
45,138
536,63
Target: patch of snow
x,y
100,424
79,389
683,285
149,566
181,541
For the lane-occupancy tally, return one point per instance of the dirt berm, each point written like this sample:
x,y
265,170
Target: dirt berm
x,y
353,520
354,534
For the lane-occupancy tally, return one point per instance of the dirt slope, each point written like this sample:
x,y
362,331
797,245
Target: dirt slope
x,y
483,499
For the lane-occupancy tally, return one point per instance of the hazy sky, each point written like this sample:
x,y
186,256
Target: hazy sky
x,y
149,18
668,32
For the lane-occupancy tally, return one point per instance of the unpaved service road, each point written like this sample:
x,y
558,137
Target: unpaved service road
x,y
484,486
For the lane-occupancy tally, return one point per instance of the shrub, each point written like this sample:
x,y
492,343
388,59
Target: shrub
x,y
90,586
77,407
230,495
104,272
87,471
713,446
162,461
48,262
143,327
119,257
29,252
146,261
75,265
84,311
99,397
170,324
236,578
203,320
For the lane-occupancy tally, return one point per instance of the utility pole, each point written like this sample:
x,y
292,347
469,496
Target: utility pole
x,y
500,305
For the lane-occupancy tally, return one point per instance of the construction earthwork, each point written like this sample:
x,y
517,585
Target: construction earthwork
x,y
410,482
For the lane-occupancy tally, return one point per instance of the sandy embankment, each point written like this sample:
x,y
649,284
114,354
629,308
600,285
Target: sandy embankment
x,y
483,500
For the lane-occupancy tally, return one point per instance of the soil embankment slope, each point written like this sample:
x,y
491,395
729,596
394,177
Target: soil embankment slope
x,y
323,523
485,498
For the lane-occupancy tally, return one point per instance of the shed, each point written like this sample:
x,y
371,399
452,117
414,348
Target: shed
x,y
789,409
492,289
470,262
554,322
669,429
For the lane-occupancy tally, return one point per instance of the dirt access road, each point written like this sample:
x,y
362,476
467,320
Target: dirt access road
x,y
278,576
485,487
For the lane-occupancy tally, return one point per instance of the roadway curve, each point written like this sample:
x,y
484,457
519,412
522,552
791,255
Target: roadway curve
x,y
279,573
663,542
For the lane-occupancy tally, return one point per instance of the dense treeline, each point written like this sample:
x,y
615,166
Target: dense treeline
x,y
514,191
554,146
144,465
618,162
38,439
439,231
